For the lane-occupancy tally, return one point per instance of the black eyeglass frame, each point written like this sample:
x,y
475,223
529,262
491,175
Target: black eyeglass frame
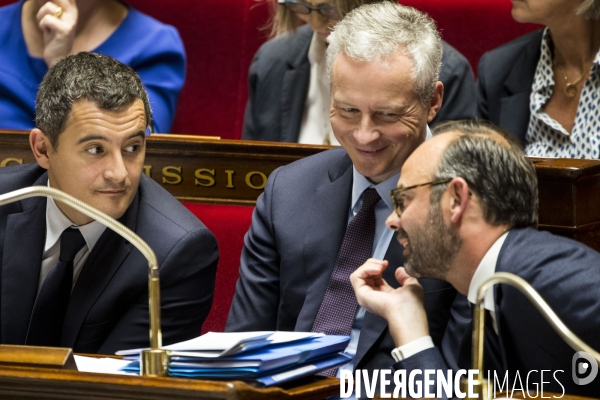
x,y
334,15
397,202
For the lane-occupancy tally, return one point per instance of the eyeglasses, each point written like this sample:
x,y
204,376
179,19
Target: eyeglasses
x,y
397,200
328,12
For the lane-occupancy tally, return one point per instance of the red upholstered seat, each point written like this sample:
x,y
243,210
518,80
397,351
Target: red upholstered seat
x,y
229,224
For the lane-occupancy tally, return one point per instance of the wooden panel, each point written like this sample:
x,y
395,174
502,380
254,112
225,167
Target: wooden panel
x,y
208,170
41,384
195,169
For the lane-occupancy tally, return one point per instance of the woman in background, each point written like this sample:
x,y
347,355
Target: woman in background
x,y
545,86
288,83
36,34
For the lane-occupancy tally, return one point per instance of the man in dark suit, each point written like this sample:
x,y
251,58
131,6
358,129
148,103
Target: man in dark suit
x,y
92,114
302,221
280,77
466,203
503,91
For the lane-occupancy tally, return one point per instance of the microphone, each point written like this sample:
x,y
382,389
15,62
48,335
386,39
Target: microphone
x,y
153,361
481,384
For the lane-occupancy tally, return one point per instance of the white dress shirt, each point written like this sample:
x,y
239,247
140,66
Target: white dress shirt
x,y
316,126
485,269
56,223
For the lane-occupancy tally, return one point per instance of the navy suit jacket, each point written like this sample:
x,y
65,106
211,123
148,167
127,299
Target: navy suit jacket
x,y
108,309
505,77
280,74
290,250
567,275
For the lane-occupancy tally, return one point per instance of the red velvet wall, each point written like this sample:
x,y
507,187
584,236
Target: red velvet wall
x,y
221,37
473,26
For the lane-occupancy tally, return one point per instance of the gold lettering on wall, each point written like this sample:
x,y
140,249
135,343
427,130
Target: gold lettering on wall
x,y
6,161
173,173
148,170
249,176
204,174
229,173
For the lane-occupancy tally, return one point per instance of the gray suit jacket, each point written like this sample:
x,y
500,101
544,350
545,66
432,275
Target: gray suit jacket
x,y
567,275
279,78
290,250
108,309
505,77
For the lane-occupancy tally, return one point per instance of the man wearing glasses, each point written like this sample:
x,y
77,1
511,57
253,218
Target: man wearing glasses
x,y
322,217
466,207
289,88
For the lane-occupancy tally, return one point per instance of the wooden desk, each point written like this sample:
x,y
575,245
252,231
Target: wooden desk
x,y
41,384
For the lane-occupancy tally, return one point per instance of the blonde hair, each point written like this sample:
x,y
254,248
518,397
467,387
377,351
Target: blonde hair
x,y
589,9
283,20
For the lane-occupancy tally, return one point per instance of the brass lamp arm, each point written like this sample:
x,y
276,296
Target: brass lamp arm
x,y
534,297
135,240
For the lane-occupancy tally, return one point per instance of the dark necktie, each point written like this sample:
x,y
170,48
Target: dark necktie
x,y
48,315
338,309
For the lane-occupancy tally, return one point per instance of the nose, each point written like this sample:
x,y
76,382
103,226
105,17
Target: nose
x,y
393,221
366,132
116,170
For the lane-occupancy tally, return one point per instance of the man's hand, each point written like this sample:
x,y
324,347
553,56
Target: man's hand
x,y
401,307
58,30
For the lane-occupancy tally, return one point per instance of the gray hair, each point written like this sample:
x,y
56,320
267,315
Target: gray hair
x,y
589,9
378,31
98,78
499,173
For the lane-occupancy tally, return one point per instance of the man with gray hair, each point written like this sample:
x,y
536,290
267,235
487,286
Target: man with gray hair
x,y
67,280
320,218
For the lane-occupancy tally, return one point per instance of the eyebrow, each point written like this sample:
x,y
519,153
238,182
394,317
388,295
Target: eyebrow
x,y
87,138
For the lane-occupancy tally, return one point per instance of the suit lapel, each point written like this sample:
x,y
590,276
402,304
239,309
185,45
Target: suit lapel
x,y
325,230
514,107
295,86
21,264
106,258
373,326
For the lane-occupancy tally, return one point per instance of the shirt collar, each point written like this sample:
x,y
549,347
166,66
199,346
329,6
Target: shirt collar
x,y
360,183
57,222
486,268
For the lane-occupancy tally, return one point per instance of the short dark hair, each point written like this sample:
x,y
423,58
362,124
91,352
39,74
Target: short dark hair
x,y
98,78
498,172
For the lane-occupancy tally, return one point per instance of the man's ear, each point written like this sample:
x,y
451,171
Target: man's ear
x,y
41,147
459,198
436,101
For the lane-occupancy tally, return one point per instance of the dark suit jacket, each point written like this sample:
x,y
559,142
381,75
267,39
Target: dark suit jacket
x,y
567,275
290,251
505,77
108,310
279,78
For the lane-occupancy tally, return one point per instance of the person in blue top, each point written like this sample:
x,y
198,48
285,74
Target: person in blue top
x,y
36,34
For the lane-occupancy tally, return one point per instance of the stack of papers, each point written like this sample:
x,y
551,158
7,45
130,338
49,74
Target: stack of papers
x,y
265,357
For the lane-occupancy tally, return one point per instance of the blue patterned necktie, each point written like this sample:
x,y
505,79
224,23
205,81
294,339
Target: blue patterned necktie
x,y
48,315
